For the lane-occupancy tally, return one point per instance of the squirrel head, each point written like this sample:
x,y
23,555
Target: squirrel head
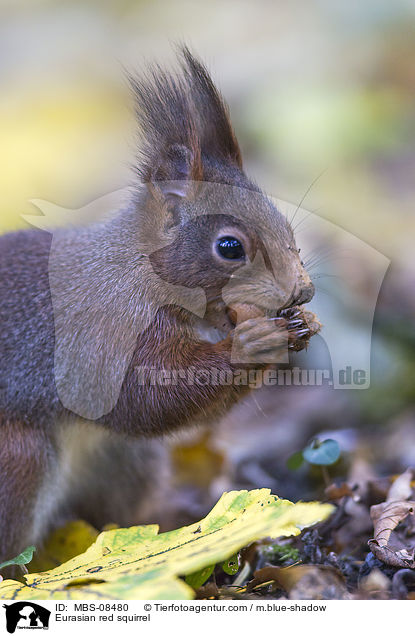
x,y
220,231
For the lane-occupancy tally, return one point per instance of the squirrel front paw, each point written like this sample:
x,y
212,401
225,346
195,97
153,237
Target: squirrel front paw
x,y
260,340
266,340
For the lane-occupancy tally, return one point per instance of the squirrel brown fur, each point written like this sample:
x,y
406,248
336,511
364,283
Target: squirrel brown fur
x,y
195,221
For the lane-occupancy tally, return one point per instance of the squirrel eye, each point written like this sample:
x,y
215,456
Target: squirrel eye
x,y
230,248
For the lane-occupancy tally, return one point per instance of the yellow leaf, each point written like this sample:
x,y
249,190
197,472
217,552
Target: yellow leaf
x,y
65,543
139,563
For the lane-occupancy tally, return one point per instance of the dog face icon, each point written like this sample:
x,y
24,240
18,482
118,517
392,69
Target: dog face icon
x,y
24,614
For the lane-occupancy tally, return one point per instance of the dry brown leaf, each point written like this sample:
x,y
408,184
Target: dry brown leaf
x,y
386,516
406,555
334,492
390,557
401,487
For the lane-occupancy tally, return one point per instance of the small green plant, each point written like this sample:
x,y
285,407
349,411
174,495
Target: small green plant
x,y
317,453
322,453
21,559
197,579
280,554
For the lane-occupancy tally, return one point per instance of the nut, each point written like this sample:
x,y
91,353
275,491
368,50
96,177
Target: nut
x,y
239,312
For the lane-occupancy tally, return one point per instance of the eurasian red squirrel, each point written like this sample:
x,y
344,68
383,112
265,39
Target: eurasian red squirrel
x,y
63,452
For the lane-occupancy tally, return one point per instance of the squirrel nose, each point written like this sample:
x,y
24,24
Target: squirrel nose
x,y
305,294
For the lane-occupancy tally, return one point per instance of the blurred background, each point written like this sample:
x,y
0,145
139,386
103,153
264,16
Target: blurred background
x,y
322,99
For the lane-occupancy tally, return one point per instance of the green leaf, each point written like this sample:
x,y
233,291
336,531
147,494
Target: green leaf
x,y
231,566
197,579
139,563
21,559
275,553
295,461
322,453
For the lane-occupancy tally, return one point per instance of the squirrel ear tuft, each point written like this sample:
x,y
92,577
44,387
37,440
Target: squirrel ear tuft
x,y
170,149
217,138
174,171
184,123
